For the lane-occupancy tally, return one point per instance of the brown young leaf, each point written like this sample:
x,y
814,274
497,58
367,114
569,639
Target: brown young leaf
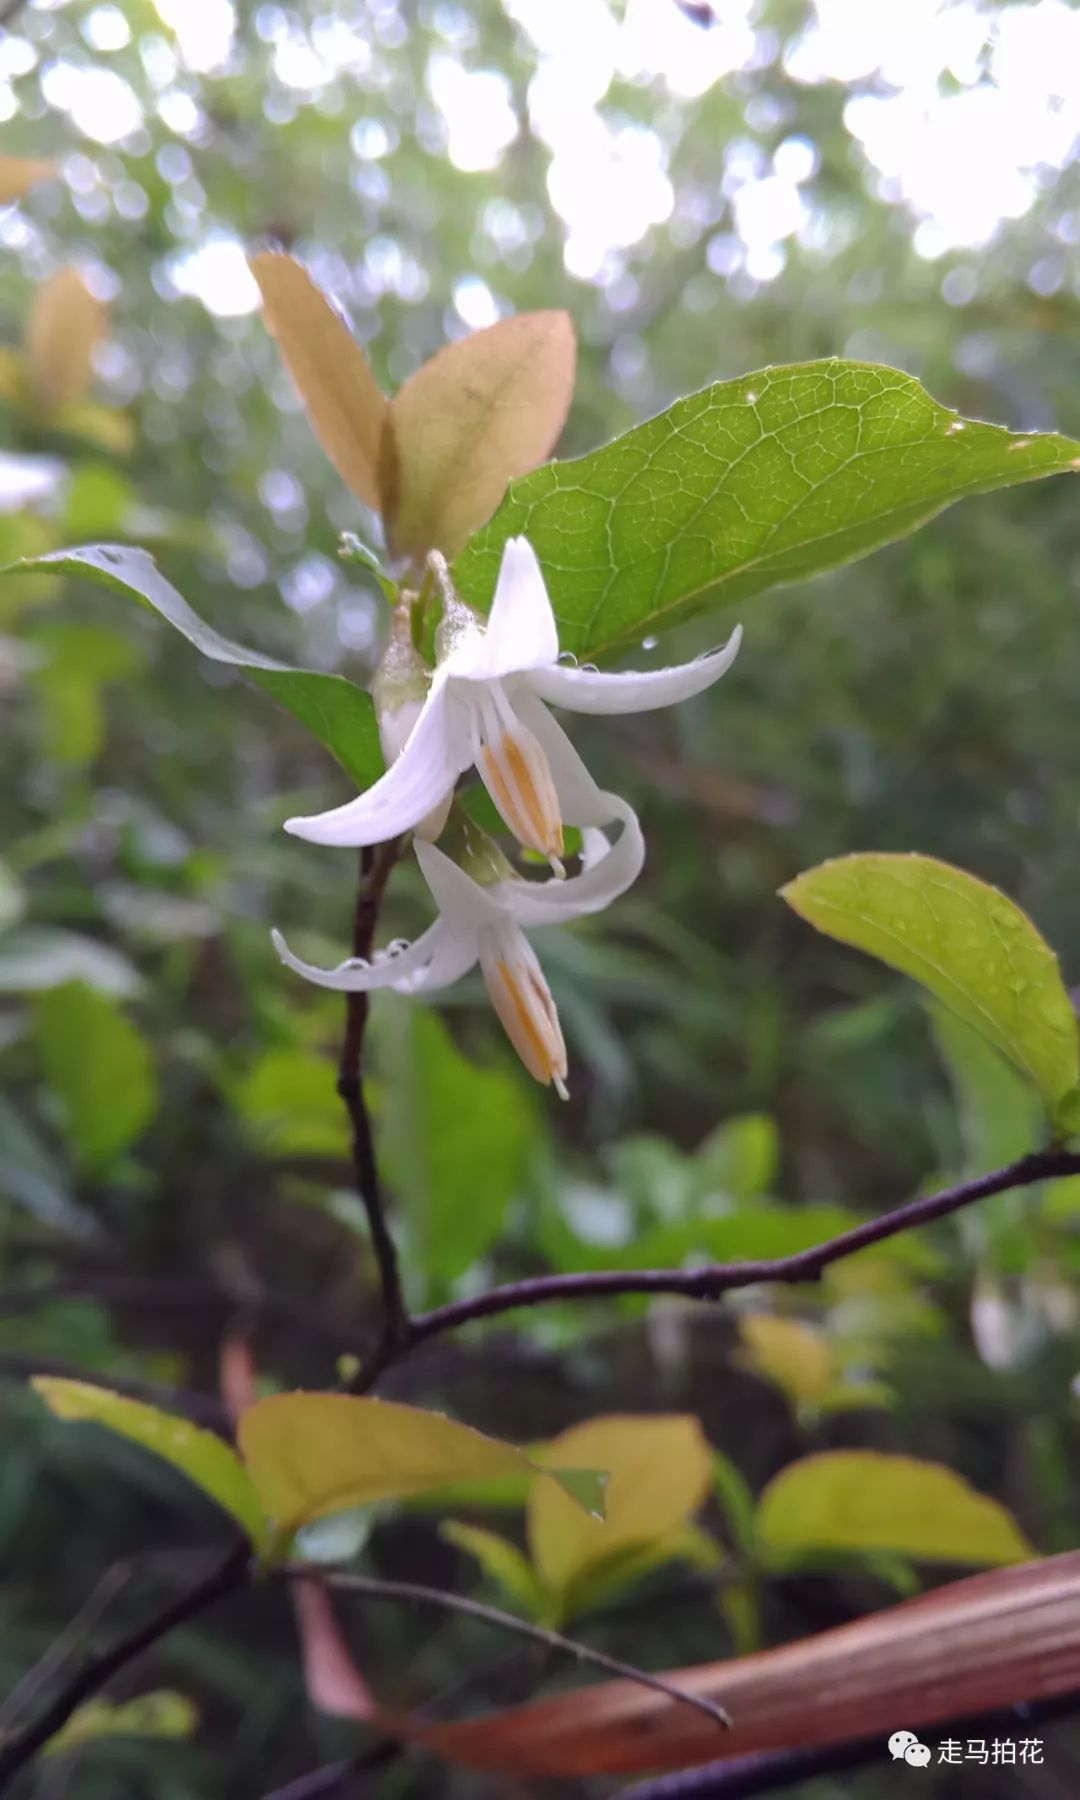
x,y
343,401
66,323
974,1646
20,173
479,413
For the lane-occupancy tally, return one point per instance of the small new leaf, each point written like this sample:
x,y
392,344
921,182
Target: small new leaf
x,y
66,324
345,404
481,411
963,940
18,174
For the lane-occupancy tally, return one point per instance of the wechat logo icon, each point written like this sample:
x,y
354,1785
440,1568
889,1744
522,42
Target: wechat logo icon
x,y
904,1746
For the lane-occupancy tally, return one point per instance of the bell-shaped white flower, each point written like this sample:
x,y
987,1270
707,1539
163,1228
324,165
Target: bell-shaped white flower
x,y
487,706
485,922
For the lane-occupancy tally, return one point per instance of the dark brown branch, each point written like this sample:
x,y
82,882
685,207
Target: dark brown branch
x,y
412,1593
712,1280
375,867
228,1574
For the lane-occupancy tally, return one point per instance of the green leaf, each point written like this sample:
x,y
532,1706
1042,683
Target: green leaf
x,y
290,1102
458,1141
972,947
160,1714
860,1500
741,1157
501,1561
1000,1116
205,1459
335,711
101,1068
313,1454
771,478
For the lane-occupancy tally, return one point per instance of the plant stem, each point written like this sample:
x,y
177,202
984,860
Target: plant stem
x,y
712,1280
375,867
411,1592
228,1574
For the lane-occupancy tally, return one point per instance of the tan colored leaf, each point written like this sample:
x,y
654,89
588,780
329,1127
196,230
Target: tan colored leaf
x,y
344,403
20,173
989,1642
479,413
658,1475
66,324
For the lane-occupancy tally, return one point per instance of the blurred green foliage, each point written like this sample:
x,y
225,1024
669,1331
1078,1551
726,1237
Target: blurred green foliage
x,y
741,1086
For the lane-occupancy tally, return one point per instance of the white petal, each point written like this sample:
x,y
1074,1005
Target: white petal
x,y
588,691
388,971
521,630
600,882
454,955
425,772
462,902
522,999
580,800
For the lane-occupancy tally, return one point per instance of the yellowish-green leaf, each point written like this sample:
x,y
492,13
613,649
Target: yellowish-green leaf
x,y
860,1500
658,1476
501,1561
65,325
205,1459
18,174
345,404
313,1454
161,1714
795,1356
965,941
479,413
601,1583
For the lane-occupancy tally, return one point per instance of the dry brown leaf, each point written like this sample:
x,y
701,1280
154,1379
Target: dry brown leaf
x,y
345,404
479,413
974,1646
66,323
20,173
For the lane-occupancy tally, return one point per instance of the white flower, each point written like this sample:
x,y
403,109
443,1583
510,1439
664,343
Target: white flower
x,y
485,923
486,705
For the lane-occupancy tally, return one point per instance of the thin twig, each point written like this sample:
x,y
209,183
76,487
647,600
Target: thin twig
x,y
227,1575
63,1646
712,1280
318,1783
375,867
411,1592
